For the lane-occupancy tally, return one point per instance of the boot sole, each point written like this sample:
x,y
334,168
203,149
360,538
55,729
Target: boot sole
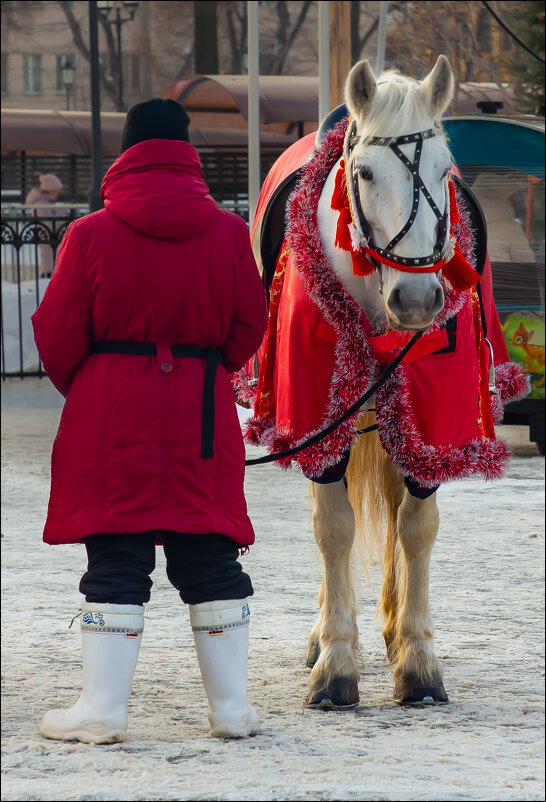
x,y
113,737
231,726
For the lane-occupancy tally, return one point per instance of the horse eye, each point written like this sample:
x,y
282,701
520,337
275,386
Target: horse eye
x,y
446,171
365,173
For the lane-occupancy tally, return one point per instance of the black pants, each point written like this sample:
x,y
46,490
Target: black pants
x,y
201,567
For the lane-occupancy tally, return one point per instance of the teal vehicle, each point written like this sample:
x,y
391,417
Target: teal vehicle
x,y
501,159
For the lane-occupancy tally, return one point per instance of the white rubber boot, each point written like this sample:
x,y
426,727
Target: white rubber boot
x,y
111,635
220,629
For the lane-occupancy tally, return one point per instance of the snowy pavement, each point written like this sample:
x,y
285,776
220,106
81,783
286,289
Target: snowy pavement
x,y
487,599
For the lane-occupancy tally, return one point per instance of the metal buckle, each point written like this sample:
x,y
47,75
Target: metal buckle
x,y
492,386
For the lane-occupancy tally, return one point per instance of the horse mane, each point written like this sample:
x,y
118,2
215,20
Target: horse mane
x,y
397,108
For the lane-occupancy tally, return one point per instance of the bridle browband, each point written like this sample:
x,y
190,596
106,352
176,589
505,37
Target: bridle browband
x,y
385,255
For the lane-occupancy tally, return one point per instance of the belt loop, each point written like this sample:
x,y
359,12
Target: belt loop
x,y
165,358
207,425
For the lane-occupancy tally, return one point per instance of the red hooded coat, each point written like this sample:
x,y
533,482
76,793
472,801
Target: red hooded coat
x,y
161,263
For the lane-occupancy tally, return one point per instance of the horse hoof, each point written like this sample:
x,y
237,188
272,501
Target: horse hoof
x,y
340,694
410,690
313,654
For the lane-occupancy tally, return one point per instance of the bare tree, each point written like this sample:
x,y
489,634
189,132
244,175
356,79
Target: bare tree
x,y
455,28
281,23
108,73
206,37
237,30
358,42
285,35
15,15
173,57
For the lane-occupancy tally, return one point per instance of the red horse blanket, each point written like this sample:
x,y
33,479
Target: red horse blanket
x,y
435,414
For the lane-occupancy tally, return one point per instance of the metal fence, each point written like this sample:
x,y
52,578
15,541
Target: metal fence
x,y
225,170
30,240
31,235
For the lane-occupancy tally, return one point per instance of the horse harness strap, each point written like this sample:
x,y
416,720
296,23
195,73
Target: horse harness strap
x,y
418,188
212,357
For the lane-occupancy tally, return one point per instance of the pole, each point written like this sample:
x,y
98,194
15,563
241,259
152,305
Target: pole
x,y
146,50
67,89
381,37
95,201
120,68
340,50
324,59
254,177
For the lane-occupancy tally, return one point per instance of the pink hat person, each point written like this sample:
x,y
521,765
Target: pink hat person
x,y
50,183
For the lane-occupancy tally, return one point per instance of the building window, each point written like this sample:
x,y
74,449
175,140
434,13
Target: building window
x,y
60,60
32,74
4,73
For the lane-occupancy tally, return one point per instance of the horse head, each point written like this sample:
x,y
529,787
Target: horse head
x,y
398,162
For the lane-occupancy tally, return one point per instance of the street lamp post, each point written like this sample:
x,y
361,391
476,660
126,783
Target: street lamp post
x,y
95,201
105,7
68,79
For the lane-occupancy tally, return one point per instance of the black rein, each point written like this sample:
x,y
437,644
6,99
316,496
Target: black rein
x,y
316,438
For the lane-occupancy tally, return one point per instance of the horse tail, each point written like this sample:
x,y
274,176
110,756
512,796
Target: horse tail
x,y
369,475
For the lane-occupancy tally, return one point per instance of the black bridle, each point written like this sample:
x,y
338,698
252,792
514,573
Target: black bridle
x,y
403,262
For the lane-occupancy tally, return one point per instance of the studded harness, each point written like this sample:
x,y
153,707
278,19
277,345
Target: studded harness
x,y
424,264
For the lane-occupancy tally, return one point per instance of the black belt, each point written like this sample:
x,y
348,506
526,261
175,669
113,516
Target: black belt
x,y
213,357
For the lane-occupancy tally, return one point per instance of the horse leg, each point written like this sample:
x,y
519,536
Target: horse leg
x,y
335,675
313,650
393,489
418,673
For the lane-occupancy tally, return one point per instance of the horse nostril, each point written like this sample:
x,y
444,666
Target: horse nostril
x,y
434,301
395,301
438,301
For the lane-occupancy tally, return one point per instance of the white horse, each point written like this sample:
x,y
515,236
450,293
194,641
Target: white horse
x,y
393,106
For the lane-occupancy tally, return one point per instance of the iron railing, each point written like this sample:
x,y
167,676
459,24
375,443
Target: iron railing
x,y
225,170
31,235
29,247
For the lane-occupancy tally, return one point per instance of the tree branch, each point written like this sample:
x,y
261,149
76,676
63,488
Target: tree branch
x,y
108,86
369,33
281,56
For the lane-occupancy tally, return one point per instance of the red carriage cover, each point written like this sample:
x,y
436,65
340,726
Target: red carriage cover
x,y
435,414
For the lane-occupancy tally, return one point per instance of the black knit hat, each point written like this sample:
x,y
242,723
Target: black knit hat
x,y
155,119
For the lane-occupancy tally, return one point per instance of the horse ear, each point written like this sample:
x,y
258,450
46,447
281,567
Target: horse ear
x,y
437,88
360,89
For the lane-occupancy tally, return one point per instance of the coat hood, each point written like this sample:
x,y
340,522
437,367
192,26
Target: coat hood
x,y
157,188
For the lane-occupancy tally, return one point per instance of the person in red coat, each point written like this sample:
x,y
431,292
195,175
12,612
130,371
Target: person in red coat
x,y
154,300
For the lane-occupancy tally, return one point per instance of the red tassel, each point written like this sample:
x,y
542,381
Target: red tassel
x,y
339,197
340,203
453,209
343,236
459,273
361,264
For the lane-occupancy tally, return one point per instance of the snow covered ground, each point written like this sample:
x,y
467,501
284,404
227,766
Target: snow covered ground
x,y
487,598
15,321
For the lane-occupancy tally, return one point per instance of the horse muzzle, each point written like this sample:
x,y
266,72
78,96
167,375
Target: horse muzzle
x,y
411,308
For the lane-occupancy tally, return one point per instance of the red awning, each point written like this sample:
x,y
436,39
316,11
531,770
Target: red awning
x,y
283,98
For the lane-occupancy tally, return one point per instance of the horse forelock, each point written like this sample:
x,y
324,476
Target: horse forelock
x,y
397,109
